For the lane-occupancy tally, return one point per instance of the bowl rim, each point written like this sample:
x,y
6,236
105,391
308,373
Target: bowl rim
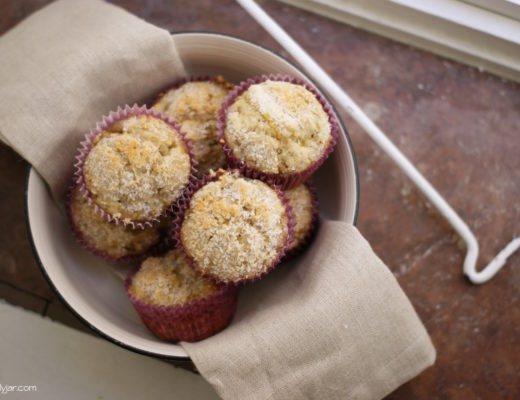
x,y
96,330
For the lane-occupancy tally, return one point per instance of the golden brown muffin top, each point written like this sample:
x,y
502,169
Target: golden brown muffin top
x,y
137,168
169,280
235,227
114,240
195,105
300,199
277,128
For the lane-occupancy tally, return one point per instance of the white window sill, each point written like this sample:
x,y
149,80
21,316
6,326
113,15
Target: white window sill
x,y
451,28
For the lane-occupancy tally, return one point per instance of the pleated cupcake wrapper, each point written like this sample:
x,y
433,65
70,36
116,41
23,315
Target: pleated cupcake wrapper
x,y
189,322
178,83
165,241
313,225
183,206
86,145
285,181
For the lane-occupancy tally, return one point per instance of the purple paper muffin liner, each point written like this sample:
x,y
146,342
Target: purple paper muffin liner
x,y
183,206
165,241
178,83
189,322
86,145
313,225
285,181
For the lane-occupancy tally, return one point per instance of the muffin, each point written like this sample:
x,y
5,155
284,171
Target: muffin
x,y
195,105
113,242
304,202
277,128
175,303
134,166
233,229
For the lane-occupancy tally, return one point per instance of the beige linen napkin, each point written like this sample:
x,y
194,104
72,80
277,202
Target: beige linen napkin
x,y
67,65
334,325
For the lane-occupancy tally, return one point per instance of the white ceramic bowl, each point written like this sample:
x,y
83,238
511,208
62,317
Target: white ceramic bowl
x,y
94,293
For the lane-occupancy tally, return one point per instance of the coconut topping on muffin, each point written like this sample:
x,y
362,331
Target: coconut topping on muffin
x,y
195,105
137,168
303,207
102,237
277,127
169,280
235,228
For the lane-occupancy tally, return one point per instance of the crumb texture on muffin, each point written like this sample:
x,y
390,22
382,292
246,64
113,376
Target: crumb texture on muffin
x,y
277,127
116,241
195,105
235,228
137,167
169,280
300,199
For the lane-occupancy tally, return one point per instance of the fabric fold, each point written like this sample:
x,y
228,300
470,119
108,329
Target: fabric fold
x,y
336,325
67,65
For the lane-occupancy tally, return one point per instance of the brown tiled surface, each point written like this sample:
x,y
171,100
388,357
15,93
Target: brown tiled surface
x,y
17,264
22,298
459,126
57,311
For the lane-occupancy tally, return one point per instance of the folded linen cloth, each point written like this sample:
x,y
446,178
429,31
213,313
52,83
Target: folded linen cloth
x,y
66,66
333,325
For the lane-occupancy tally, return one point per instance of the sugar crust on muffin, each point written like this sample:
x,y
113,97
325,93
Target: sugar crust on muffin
x,y
169,280
301,201
195,105
115,241
235,228
137,167
277,127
